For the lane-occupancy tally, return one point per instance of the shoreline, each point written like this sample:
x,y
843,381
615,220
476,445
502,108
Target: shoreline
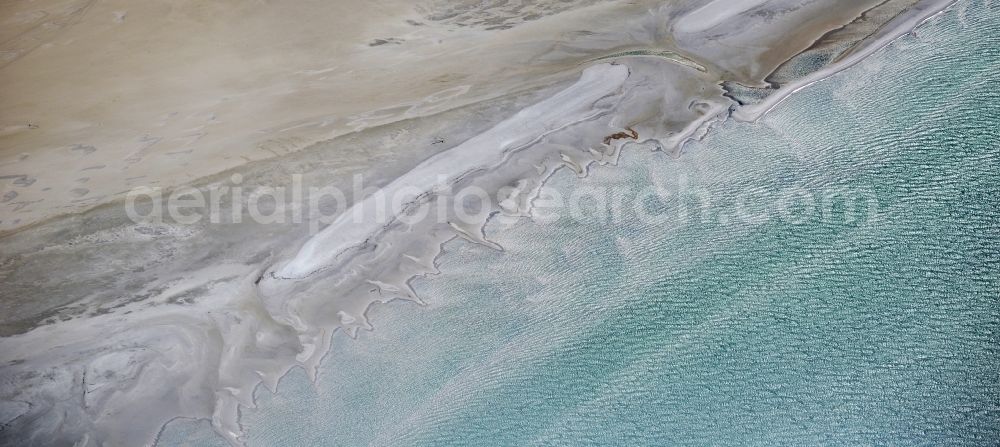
x,y
912,19
695,131
317,338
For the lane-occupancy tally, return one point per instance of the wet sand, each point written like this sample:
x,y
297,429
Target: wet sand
x,y
196,316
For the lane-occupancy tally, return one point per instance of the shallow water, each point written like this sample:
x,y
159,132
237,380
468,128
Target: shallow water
x,y
829,274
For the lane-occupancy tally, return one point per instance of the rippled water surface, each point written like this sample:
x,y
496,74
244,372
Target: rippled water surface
x,y
837,282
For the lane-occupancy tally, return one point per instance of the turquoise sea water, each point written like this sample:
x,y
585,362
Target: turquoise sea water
x,y
838,282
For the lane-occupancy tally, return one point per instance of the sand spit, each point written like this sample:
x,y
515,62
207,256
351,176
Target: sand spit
x,y
843,48
481,153
105,316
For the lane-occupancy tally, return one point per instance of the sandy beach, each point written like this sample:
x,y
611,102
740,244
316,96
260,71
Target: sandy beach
x,y
423,100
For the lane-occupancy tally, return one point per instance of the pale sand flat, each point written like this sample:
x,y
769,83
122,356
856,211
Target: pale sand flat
x,y
168,92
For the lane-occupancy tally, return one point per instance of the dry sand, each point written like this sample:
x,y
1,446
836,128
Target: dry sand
x,y
102,96
99,97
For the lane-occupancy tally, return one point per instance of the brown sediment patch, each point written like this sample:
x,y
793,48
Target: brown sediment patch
x,y
629,133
